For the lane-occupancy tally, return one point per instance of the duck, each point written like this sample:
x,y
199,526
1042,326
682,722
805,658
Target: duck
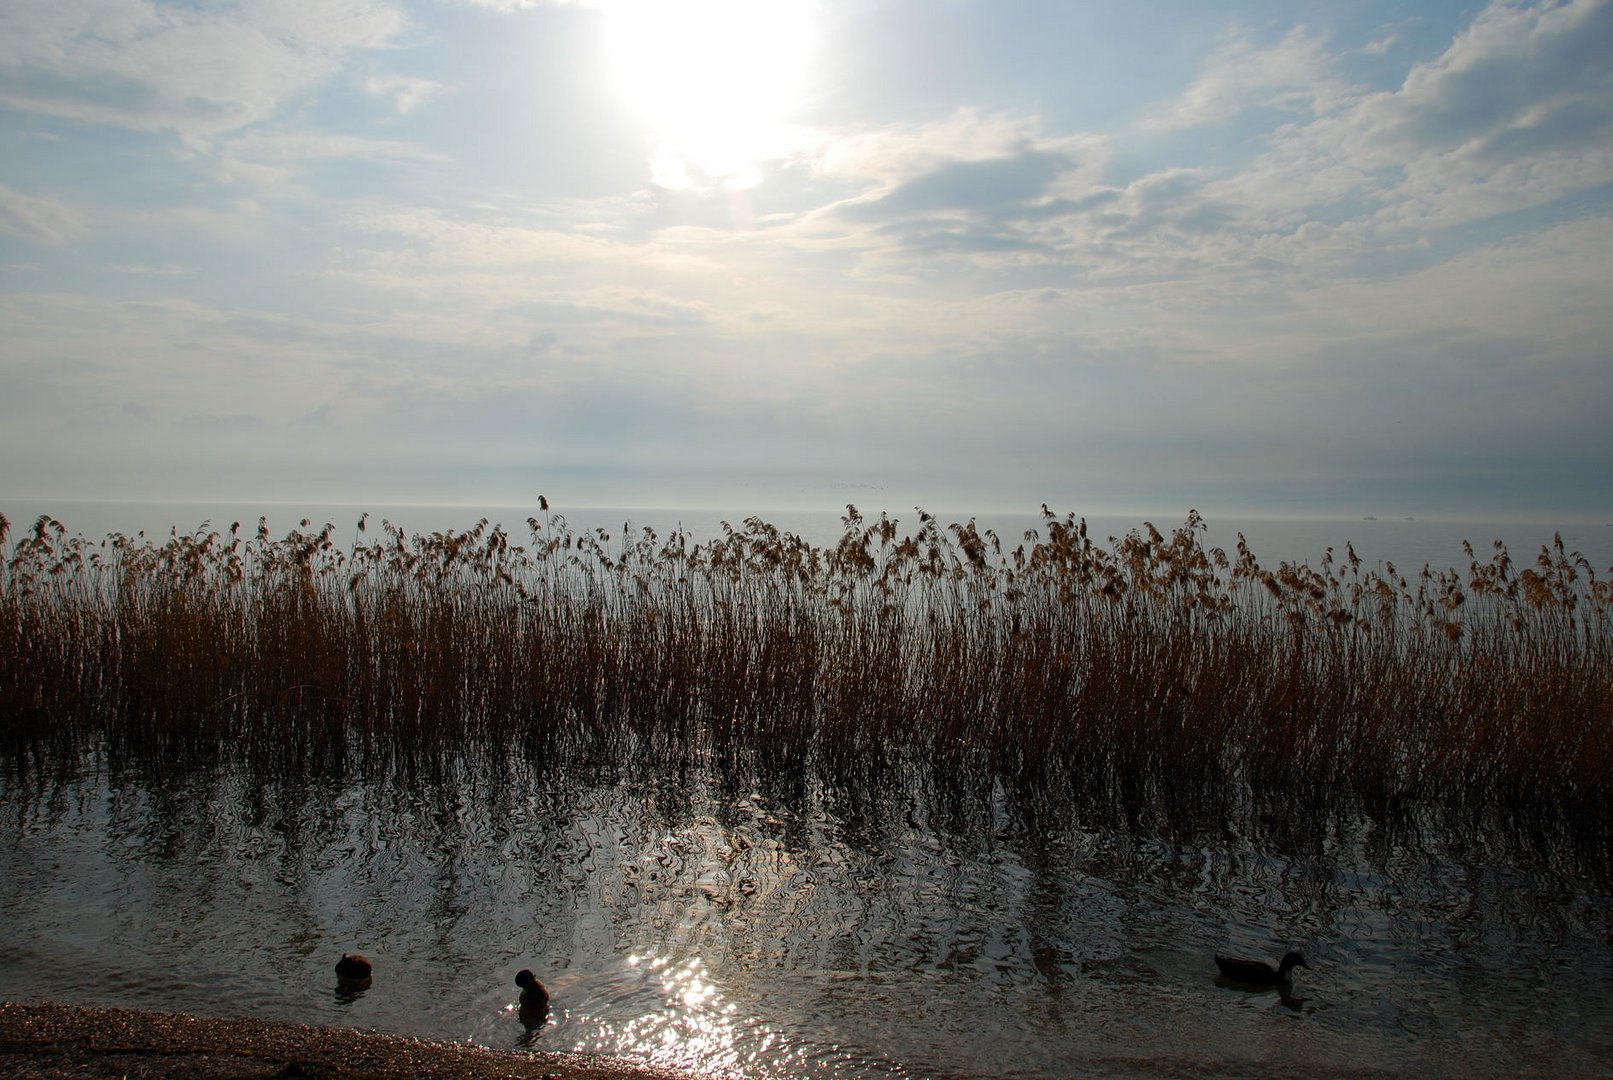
x,y
353,967
533,993
1258,972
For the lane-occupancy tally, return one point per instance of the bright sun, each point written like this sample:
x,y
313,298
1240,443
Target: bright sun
x,y
715,81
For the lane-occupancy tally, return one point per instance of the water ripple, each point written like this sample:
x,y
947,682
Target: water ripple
x,y
817,935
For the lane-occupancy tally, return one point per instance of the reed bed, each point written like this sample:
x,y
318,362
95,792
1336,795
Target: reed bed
x,y
1144,675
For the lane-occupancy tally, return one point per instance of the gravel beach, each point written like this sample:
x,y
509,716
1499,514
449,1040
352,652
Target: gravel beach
x,y
49,1040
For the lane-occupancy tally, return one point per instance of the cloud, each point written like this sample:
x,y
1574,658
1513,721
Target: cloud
x,y
510,6
973,293
1518,66
978,185
39,218
597,270
317,420
406,94
967,208
1516,113
1546,289
1380,46
1042,212
147,270
1513,115
1294,75
196,70
202,358
892,154
461,271
1171,200
233,424
271,159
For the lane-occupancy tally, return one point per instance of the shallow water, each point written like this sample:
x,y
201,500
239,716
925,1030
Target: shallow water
x,y
800,930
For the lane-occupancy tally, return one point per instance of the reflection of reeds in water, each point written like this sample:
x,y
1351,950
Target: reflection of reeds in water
x,y
1147,674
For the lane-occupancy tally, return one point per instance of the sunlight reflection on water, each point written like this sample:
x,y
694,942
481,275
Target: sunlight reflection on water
x,y
681,923
694,1028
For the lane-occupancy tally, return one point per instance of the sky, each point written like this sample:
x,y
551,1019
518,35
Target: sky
x,y
1260,257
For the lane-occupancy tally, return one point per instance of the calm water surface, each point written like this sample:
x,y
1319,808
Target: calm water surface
x,y
799,932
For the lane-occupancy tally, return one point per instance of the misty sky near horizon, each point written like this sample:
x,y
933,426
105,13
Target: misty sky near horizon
x,y
1273,257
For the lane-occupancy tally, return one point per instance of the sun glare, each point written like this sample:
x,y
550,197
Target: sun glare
x,y
714,81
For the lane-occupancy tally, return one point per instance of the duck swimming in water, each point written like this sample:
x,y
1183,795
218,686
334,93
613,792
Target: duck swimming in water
x,y
534,995
353,967
1258,972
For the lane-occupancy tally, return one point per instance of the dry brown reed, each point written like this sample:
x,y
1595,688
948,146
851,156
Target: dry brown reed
x,y
1146,673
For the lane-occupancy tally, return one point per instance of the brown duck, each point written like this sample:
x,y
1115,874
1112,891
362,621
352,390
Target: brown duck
x,y
353,967
534,995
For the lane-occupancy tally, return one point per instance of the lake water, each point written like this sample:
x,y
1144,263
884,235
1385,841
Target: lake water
x,y
788,927
804,931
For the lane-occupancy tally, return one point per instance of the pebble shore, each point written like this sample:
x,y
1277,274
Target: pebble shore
x,y
47,1040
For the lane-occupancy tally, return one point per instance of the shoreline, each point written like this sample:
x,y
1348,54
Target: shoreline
x,y
48,1039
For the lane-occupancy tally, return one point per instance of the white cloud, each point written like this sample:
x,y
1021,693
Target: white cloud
x,y
1294,75
39,218
1516,113
198,71
173,358
440,240
405,94
1548,289
892,154
146,270
889,290
509,6
1516,67
271,159
1380,46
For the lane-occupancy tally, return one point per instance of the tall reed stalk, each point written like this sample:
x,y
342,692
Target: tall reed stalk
x,y
1147,673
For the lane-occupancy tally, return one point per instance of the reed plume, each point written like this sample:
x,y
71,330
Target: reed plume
x,y
1150,676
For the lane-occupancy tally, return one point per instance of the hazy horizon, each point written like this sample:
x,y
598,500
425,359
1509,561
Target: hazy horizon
x,y
1254,258
1162,516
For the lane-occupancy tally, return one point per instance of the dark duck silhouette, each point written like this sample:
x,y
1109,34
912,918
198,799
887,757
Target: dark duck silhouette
x,y
354,968
534,996
1258,972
